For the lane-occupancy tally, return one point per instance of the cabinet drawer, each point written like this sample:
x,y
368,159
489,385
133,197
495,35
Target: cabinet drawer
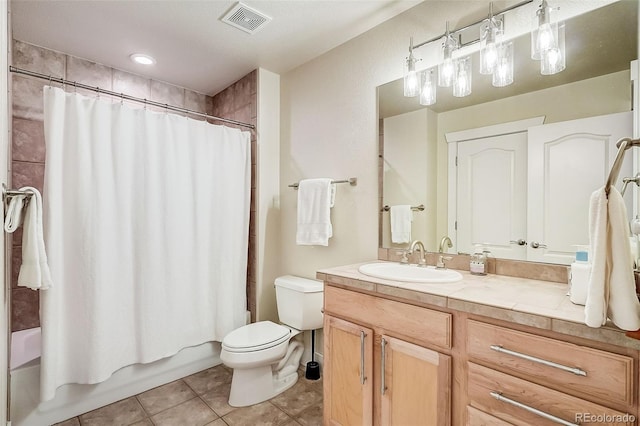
x,y
476,417
391,317
580,370
523,403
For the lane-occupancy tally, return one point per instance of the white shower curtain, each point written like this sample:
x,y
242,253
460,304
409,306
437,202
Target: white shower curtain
x,y
146,227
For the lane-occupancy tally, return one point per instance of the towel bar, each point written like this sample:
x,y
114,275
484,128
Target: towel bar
x,y
8,193
419,208
351,181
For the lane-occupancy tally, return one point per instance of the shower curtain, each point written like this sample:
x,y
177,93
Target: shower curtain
x,y
146,218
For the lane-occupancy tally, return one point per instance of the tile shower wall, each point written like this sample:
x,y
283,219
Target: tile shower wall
x,y
240,102
28,147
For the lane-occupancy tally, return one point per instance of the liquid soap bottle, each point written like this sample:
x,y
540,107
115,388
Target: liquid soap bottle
x,y
580,274
478,265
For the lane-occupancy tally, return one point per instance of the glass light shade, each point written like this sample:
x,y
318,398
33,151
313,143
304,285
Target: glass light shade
x,y
545,34
503,73
411,83
447,67
490,37
553,60
462,82
429,87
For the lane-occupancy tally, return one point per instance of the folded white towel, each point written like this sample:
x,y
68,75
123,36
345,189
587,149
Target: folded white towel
x,y
401,217
34,272
13,216
314,204
611,292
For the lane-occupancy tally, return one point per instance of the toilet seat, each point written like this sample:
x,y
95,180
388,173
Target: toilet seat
x,y
255,337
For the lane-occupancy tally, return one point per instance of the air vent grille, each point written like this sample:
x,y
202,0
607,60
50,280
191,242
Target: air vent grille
x,y
245,18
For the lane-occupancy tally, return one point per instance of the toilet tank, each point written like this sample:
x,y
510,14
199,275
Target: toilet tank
x,y
299,302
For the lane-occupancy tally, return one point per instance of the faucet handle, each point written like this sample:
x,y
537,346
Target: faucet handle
x,y
404,260
442,262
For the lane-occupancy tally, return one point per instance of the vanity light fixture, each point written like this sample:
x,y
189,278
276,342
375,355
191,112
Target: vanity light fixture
x,y
140,58
547,41
496,54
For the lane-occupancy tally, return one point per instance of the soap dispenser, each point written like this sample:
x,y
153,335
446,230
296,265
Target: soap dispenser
x,y
580,275
478,265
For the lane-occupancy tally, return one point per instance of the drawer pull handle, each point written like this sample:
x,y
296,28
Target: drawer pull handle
x,y
499,397
383,385
575,370
362,377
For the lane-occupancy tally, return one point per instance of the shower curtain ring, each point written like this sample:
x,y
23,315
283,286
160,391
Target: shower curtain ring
x,y
75,87
97,92
121,99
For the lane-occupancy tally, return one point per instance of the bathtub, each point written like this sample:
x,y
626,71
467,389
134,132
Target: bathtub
x,y
72,400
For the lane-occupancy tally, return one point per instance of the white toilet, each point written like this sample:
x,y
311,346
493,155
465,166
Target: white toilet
x,y
264,357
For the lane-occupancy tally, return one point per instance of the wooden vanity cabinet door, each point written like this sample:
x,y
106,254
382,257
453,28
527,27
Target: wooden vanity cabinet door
x,y
415,384
348,373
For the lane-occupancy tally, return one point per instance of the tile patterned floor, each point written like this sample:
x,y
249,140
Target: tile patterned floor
x,y
201,400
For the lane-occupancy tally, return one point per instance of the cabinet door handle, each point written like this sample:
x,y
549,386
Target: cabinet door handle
x,y
575,370
520,242
551,417
362,377
383,385
535,245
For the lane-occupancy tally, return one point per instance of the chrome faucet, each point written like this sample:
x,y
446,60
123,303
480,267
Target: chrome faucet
x,y
422,261
447,240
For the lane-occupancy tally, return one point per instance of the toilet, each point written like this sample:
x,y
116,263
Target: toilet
x,y
264,356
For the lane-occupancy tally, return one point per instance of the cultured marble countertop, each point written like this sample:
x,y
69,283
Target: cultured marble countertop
x,y
539,304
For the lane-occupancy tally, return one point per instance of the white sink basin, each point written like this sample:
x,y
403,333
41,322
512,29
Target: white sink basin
x,y
409,273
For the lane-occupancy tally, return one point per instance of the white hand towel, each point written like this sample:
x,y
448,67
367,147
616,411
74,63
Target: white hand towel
x,y
13,216
34,272
401,217
314,204
611,292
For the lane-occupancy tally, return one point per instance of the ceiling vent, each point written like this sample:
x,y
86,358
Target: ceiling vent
x,y
245,18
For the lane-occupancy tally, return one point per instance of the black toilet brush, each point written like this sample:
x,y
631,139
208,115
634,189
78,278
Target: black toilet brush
x,y
313,368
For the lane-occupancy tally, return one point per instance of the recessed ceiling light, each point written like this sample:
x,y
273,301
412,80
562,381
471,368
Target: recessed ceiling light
x,y
140,58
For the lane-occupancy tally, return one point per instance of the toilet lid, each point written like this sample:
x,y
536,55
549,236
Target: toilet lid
x,y
256,336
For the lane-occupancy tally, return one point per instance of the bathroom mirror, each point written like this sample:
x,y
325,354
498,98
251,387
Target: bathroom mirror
x,y
418,165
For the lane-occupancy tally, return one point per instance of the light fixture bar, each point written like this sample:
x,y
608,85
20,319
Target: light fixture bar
x,y
466,27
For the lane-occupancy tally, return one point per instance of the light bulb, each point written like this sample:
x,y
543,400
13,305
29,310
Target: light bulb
x,y
490,37
503,73
446,71
411,85
429,87
462,83
553,60
546,39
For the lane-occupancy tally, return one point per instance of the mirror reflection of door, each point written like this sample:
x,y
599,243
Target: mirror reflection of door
x,y
567,161
535,186
492,194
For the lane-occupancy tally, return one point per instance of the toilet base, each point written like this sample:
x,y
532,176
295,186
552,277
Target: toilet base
x,y
255,385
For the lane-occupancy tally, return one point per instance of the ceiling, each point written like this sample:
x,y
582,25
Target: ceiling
x,y
192,47
599,42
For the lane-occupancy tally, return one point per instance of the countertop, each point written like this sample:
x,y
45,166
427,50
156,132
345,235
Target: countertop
x,y
539,304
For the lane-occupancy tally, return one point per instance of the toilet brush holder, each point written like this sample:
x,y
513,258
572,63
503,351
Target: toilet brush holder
x,y
313,368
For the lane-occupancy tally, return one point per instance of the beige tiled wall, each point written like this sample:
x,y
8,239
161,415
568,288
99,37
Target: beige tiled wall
x,y
240,102
28,147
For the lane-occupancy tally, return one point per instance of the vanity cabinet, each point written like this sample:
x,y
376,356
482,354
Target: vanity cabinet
x,y
393,360
377,368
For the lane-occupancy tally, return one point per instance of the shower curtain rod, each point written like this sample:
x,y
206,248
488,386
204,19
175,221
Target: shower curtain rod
x,y
127,97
